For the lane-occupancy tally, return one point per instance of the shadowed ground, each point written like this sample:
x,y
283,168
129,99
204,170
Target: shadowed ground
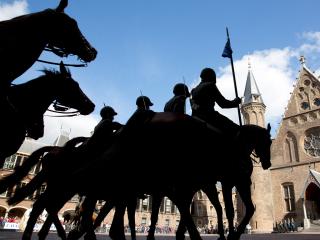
x,y
272,236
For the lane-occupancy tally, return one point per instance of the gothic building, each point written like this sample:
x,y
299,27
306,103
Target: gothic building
x,y
296,154
290,190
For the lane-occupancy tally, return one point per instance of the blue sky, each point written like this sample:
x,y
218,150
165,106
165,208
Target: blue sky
x,y
150,45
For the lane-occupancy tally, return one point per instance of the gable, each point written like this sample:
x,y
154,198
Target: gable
x,y
301,118
305,97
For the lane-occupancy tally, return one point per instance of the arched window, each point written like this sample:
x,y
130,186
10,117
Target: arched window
x,y
246,117
254,118
291,149
288,195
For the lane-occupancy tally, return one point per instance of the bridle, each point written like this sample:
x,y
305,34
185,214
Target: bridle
x,y
59,52
62,110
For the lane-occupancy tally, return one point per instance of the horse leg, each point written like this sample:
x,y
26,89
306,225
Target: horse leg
x,y
103,213
117,227
227,197
37,209
212,194
43,233
181,230
85,224
183,203
131,209
60,230
46,228
245,194
156,203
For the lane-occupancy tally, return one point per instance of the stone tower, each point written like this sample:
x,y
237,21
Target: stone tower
x,y
253,110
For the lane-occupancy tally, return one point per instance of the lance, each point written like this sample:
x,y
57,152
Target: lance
x,y
185,95
144,103
227,52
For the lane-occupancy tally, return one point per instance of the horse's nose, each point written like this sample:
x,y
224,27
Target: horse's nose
x,y
88,109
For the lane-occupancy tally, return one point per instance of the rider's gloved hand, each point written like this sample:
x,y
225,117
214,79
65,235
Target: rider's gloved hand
x,y
237,100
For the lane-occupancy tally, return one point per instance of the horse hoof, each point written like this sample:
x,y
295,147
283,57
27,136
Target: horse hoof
x,y
150,237
180,237
233,236
221,238
26,237
73,235
90,236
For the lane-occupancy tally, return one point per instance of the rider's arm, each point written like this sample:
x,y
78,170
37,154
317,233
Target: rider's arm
x,y
225,103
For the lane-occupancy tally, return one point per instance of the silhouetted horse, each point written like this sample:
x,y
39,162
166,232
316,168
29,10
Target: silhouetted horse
x,y
193,152
210,191
29,101
25,37
240,179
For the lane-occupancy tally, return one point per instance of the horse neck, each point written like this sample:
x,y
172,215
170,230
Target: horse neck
x,y
34,97
23,40
30,25
246,142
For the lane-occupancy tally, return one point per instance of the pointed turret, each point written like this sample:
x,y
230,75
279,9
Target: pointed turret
x,y
251,92
62,138
252,108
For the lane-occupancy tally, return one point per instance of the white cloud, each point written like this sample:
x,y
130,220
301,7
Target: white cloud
x,y
274,70
10,10
273,74
77,126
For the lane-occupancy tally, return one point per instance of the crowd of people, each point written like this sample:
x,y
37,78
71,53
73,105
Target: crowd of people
x,y
287,225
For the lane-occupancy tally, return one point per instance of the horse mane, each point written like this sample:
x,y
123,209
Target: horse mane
x,y
52,72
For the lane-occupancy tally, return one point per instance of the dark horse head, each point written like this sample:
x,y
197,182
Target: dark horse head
x,y
259,140
68,91
64,36
24,38
23,113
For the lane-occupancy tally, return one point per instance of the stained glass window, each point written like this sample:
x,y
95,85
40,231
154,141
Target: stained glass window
x,y
312,144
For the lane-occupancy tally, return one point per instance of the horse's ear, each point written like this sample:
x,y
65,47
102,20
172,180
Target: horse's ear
x,y
269,127
63,69
62,5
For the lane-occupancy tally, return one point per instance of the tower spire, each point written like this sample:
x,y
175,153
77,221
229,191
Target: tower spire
x,y
251,92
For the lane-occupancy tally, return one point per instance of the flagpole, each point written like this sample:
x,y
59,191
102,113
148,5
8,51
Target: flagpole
x,y
234,81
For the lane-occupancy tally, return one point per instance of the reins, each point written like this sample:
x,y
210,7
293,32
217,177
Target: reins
x,y
66,64
60,53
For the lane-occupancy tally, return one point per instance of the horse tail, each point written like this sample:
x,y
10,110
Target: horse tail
x,y
21,171
25,191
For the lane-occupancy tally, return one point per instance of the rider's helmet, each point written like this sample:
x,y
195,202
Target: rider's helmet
x,y
143,102
208,75
181,89
107,112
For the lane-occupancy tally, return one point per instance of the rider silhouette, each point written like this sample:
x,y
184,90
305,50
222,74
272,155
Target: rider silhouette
x,y
105,129
178,102
203,98
143,112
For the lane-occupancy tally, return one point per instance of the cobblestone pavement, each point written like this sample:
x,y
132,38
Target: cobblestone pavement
x,y
272,236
